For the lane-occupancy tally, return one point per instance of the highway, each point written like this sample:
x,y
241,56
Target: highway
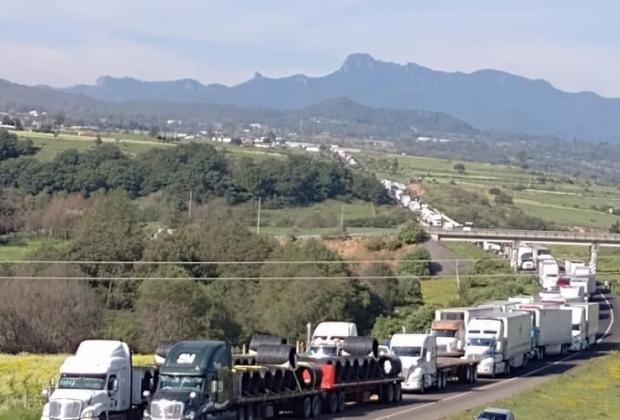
x,y
458,398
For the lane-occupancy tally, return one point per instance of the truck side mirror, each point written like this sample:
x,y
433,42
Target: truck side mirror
x,y
45,394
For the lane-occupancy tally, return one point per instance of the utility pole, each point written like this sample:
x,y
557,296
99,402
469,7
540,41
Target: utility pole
x,y
458,279
342,218
258,217
189,206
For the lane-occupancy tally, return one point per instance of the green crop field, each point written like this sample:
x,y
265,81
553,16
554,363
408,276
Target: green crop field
x,y
562,200
589,391
23,378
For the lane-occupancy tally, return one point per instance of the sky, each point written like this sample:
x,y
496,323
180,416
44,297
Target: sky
x,y
573,44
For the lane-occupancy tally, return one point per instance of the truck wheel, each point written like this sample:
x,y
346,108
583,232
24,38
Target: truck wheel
x,y
241,414
398,392
331,403
303,408
342,401
507,369
388,394
316,406
422,386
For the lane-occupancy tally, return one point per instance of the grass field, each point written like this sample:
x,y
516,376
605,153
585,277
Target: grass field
x,y
323,219
439,291
130,144
23,378
13,249
589,391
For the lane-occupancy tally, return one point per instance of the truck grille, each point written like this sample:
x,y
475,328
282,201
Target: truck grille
x,y
167,410
65,410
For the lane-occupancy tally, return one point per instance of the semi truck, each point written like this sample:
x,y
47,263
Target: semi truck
x,y
203,379
579,327
548,273
500,340
450,327
423,368
551,329
99,382
591,312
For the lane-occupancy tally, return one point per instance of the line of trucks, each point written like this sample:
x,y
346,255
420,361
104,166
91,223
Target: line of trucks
x,y
205,380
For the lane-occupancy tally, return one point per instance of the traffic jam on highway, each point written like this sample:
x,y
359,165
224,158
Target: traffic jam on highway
x,y
338,369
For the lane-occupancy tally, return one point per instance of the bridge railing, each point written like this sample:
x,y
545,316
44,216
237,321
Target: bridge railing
x,y
526,234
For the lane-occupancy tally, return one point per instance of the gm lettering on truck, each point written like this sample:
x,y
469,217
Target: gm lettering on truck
x,y
186,358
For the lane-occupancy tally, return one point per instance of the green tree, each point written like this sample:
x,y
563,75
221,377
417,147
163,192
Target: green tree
x,y
503,199
615,227
459,167
110,230
416,263
412,233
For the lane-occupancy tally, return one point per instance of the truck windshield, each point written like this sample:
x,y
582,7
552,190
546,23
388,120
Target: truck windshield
x,y
72,381
323,351
445,333
492,416
180,382
402,351
485,342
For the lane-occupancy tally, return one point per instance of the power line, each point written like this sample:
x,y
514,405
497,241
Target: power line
x,y
256,278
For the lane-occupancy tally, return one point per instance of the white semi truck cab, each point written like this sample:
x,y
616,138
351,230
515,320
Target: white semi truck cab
x,y
418,355
579,327
98,382
328,337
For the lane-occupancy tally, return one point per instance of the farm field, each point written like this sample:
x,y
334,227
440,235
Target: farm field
x,y
564,201
128,143
565,397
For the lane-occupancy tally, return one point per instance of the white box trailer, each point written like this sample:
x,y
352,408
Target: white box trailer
x,y
573,294
500,305
571,265
592,314
501,340
588,283
552,328
548,272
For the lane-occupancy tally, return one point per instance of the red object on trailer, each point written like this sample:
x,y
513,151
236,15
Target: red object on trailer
x,y
563,282
329,377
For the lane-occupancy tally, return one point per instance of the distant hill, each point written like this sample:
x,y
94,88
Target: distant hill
x,y
18,97
487,99
338,115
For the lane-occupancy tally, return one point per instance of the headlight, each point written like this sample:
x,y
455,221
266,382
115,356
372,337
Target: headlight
x,y
146,415
190,415
88,414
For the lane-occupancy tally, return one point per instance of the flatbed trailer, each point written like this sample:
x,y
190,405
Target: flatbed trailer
x,y
458,370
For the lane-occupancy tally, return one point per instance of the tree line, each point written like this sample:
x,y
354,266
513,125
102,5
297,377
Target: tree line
x,y
208,173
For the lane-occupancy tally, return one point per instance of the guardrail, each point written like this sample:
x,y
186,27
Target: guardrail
x,y
512,235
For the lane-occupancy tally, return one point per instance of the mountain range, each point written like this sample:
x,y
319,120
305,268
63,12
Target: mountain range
x,y
486,99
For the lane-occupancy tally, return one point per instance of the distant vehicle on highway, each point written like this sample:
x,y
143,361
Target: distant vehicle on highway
x,y
495,414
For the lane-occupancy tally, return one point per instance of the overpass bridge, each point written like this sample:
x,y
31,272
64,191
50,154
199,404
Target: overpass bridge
x,y
512,237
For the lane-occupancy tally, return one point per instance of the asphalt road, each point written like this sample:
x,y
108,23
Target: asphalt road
x,y
458,398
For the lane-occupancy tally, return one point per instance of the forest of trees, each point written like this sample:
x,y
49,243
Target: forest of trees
x,y
296,180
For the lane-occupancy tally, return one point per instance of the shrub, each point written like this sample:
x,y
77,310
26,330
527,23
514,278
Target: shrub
x,y
412,233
